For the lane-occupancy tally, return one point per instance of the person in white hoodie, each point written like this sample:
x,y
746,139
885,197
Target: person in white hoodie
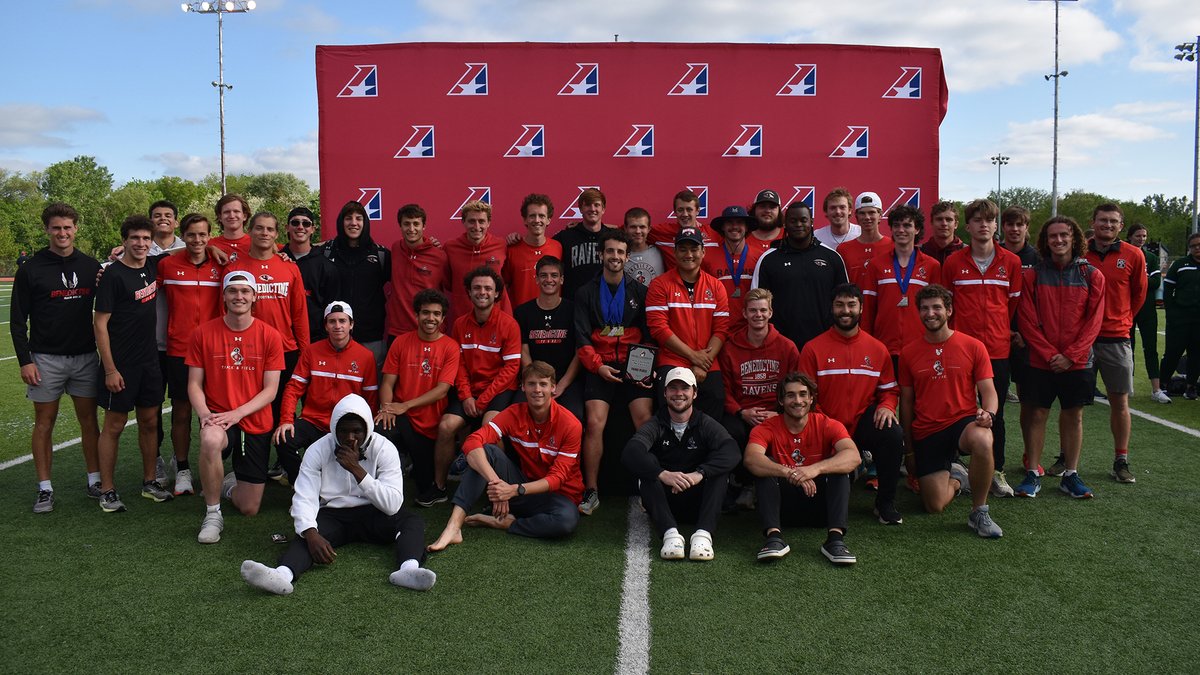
x,y
350,488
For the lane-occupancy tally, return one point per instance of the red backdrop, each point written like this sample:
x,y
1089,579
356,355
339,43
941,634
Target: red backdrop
x,y
441,123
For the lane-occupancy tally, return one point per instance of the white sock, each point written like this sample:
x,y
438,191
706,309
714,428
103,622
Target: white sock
x,y
671,532
286,573
410,564
93,477
45,485
1068,472
213,508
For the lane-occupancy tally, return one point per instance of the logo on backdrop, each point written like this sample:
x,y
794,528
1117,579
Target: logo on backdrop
x,y
693,83
364,83
802,83
531,142
474,193
639,144
372,200
420,144
572,212
807,194
585,81
701,192
855,144
909,196
474,82
908,85
748,144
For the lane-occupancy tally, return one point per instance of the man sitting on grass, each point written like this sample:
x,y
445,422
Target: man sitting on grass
x,y
350,488
534,485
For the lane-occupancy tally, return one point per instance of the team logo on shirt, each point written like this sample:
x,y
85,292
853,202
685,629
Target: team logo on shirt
x,y
236,356
633,303
1001,273
820,263
708,295
354,366
373,259
797,446
1120,263
426,367
266,278
72,283
866,362
938,369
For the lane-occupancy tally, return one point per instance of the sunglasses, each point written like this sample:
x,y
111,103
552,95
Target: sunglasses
x,y
298,222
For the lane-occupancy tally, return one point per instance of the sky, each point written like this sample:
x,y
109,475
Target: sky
x,y
129,81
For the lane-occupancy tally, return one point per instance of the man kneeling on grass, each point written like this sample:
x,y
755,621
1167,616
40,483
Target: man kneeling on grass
x,y
534,484
350,488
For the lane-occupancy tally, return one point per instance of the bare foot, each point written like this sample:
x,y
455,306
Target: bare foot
x,y
450,535
481,520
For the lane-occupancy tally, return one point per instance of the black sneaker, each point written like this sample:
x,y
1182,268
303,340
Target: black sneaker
x,y
838,554
1059,467
432,495
276,472
887,513
1190,393
774,549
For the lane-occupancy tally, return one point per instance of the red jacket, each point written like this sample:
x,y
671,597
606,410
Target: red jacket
x,y
670,312
662,235
985,302
852,374
323,376
491,356
883,317
857,255
1061,311
752,374
1124,268
413,270
714,263
280,300
461,257
549,451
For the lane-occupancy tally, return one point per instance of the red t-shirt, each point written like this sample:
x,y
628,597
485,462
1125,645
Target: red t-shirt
x,y
280,297
412,272
549,450
193,295
419,366
814,442
520,269
857,255
235,248
234,365
943,377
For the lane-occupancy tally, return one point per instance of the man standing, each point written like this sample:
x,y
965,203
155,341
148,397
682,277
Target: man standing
x,y
687,312
363,268
350,489
610,315
686,207
125,322
419,372
477,247
946,370
802,460
943,219
1062,308
191,284
892,280
1146,320
327,371
534,485
1124,270
49,317
645,261
1181,295
232,213
734,266
521,259
856,253
986,282
768,225
837,211
801,274
855,372
682,459
416,265
580,255
548,334
233,372
320,277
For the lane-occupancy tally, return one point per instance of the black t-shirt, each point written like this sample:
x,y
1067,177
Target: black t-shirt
x,y
581,256
128,295
550,334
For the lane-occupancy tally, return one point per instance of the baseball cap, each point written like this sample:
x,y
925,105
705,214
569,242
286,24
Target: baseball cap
x,y
684,375
300,211
690,234
769,196
730,213
339,306
867,200
238,278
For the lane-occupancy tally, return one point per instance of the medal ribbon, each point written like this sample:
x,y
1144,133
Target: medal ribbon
x,y
741,266
612,305
908,271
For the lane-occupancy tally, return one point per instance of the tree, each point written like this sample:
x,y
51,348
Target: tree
x,y
83,184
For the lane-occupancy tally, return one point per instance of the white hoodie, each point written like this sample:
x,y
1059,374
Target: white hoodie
x,y
324,483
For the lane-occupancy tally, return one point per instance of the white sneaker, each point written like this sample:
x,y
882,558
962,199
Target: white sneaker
x,y
959,473
1159,396
700,547
228,484
183,482
672,548
417,579
1000,486
265,578
211,527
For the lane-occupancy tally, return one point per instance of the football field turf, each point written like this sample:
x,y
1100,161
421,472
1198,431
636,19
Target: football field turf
x,y
1106,584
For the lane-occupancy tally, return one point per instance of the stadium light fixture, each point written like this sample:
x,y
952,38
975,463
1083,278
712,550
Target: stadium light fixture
x,y
1189,51
1056,76
999,160
220,9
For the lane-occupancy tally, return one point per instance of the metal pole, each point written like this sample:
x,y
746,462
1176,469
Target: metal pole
x,y
221,89
1196,150
1054,170
999,203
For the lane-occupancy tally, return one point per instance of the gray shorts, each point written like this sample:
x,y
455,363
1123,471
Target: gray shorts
x,y
1114,363
75,375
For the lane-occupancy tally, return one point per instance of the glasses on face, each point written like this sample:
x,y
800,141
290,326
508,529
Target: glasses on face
x,y
300,222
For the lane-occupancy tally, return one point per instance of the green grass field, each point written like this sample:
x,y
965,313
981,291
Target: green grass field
x,y
1105,584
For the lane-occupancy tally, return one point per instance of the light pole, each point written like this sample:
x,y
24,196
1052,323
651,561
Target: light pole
x,y
999,160
220,8
1058,74
1188,52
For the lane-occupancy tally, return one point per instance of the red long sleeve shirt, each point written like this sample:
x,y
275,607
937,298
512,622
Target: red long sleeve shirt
x,y
852,374
491,356
324,375
461,257
985,302
857,255
670,311
413,270
1124,268
883,317
549,450
280,300
193,297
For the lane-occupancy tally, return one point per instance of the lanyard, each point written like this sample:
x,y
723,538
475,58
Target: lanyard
x,y
741,265
908,271
612,305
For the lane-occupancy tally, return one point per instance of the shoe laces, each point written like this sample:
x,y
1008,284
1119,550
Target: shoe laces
x,y
45,495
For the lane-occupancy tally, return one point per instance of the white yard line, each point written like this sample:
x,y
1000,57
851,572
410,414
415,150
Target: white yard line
x,y
65,444
633,655
1157,420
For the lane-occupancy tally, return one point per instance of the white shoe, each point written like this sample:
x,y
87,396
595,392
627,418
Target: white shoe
x,y
959,473
183,482
265,578
672,548
1159,396
417,579
1000,486
700,547
211,527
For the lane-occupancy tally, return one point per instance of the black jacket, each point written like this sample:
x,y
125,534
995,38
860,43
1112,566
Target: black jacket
x,y
322,285
802,283
54,294
362,272
705,445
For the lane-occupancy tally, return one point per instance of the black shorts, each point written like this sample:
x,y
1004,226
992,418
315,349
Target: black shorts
x,y
499,402
935,452
143,388
596,388
1073,388
250,453
1018,366
177,378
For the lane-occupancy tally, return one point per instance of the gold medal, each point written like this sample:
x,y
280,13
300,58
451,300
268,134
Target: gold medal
x,y
737,293
903,301
616,331
605,331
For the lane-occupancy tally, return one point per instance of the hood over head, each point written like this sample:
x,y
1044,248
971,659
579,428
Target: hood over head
x,y
353,403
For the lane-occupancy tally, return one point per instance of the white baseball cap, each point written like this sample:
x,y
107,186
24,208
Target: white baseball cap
x,y
867,200
238,278
339,306
685,375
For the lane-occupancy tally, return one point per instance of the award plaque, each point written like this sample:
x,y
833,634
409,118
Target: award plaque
x,y
639,366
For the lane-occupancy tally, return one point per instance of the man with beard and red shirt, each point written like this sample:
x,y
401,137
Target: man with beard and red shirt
x,y
477,247
733,262
417,264
521,258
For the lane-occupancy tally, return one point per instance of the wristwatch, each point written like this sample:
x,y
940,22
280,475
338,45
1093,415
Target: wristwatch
x,y
520,489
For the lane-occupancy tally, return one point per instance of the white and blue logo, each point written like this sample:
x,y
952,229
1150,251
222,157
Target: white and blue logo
x,y
474,82
585,81
419,145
